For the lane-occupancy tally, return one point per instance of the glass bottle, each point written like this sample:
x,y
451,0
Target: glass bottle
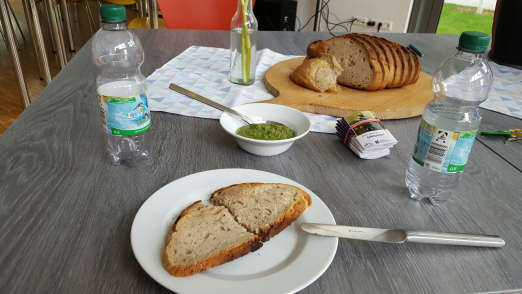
x,y
243,44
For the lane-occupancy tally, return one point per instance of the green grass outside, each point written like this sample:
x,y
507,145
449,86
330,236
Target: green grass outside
x,y
455,19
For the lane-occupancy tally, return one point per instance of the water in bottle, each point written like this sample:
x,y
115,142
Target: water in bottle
x,y
451,121
121,89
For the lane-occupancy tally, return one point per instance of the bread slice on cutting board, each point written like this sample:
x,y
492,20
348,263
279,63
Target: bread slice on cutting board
x,y
241,217
263,209
387,74
318,73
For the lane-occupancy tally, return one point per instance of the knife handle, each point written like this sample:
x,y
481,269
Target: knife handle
x,y
455,239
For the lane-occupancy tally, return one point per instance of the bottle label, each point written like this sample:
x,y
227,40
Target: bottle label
x,y
442,150
125,116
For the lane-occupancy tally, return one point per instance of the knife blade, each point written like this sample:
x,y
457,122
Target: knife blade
x,y
402,236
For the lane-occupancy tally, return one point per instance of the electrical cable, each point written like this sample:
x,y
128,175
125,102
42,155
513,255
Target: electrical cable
x,y
324,13
311,17
331,25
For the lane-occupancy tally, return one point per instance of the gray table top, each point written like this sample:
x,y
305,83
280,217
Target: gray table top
x,y
66,212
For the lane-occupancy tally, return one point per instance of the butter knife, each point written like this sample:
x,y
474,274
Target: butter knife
x,y
402,236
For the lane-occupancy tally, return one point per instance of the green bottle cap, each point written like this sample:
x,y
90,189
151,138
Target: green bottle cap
x,y
475,42
112,13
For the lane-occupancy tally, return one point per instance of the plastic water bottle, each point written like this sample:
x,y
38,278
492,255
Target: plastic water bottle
x,y
450,122
121,88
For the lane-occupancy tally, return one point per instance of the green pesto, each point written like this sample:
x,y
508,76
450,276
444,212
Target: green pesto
x,y
266,131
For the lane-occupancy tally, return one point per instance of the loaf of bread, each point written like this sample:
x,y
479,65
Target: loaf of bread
x,y
241,217
318,73
369,62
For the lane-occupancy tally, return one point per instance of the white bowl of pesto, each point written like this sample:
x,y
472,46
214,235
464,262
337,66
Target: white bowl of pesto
x,y
291,118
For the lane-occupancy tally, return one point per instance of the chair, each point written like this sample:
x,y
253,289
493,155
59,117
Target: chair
x,y
198,15
148,14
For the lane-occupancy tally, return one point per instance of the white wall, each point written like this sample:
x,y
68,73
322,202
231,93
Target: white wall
x,y
397,11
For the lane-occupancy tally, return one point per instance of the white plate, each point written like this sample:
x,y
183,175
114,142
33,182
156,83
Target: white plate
x,y
287,263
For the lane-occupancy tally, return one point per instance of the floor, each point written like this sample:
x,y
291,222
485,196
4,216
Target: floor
x,y
11,105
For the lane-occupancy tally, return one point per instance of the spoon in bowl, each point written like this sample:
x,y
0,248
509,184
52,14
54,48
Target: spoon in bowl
x,y
236,114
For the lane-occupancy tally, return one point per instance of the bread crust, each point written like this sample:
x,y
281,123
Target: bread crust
x,y
404,63
387,74
317,48
219,258
411,66
373,59
282,222
391,58
305,73
417,63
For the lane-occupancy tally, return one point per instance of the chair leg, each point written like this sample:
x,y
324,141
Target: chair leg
x,y
146,11
30,25
11,45
49,22
55,31
141,9
68,27
40,41
154,12
92,23
59,22
11,15
16,20
2,31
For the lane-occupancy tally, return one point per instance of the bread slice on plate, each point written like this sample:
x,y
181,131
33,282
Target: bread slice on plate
x,y
241,217
318,73
263,209
203,237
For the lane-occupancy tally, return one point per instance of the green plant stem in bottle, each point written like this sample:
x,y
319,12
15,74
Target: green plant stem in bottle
x,y
243,44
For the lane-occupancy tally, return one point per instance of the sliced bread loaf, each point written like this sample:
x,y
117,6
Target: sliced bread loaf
x,y
411,66
318,73
369,62
391,60
203,237
387,74
417,63
361,68
263,209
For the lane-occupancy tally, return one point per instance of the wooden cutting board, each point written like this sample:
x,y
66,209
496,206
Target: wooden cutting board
x,y
408,101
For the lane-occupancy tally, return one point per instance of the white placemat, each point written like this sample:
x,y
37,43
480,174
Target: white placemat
x,y
204,70
505,95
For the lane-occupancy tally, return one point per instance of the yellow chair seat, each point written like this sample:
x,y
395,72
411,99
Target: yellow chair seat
x,y
141,23
121,2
